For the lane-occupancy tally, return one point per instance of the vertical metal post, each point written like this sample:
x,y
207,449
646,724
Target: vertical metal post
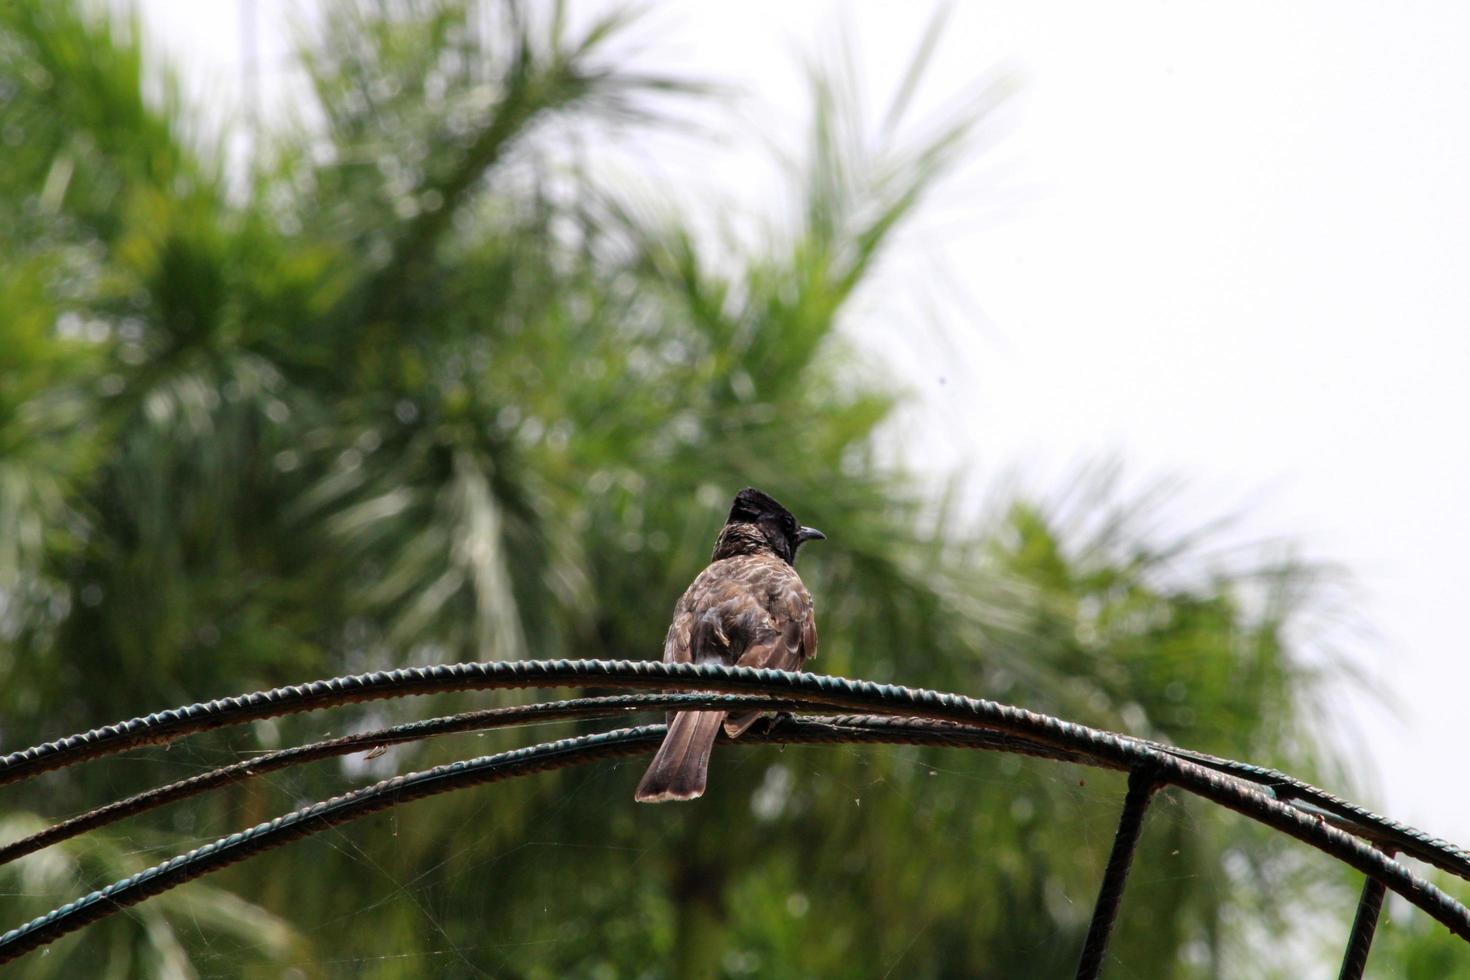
x,y
1365,923
1142,782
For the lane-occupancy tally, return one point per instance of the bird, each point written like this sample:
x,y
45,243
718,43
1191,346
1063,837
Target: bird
x,y
748,608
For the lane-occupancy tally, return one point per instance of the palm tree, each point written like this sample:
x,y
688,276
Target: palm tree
x,y
425,384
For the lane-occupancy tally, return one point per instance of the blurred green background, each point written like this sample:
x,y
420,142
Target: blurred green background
x,y
425,382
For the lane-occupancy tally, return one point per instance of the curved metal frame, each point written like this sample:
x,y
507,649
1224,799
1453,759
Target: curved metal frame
x,y
1349,833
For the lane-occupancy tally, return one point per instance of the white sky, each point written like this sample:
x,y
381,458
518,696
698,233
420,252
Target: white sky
x,y
1222,241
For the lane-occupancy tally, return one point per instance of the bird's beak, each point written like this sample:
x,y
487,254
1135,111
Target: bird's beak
x,y
809,534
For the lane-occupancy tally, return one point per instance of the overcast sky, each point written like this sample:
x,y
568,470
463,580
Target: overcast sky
x,y
1227,242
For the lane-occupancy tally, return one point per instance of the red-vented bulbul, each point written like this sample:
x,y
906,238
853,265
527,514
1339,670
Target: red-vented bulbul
x,y
747,609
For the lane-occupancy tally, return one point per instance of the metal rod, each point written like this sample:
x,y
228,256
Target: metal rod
x,y
1099,748
1365,923
1142,782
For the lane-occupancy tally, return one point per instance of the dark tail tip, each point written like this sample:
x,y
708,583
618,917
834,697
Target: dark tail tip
x,y
659,791
671,777
680,768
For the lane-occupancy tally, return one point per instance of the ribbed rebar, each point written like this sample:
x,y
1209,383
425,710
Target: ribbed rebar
x,y
935,733
163,727
315,818
1096,747
1391,835
166,726
1142,782
574,751
484,720
342,809
1365,924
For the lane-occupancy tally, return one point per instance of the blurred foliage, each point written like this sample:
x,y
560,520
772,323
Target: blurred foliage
x,y
421,386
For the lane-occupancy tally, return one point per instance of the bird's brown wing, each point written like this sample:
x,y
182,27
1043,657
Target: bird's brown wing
x,y
789,641
677,646
808,630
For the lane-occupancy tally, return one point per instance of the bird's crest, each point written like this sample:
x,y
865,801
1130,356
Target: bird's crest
x,y
752,505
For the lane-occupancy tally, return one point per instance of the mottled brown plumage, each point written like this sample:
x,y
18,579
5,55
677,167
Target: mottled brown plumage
x,y
748,609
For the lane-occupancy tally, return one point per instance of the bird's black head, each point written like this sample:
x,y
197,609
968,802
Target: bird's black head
x,y
756,520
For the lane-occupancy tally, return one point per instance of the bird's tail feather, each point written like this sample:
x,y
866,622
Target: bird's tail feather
x,y
681,766
736,725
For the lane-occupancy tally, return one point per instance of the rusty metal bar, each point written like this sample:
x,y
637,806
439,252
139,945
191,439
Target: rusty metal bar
x,y
1142,781
1365,924
1269,798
